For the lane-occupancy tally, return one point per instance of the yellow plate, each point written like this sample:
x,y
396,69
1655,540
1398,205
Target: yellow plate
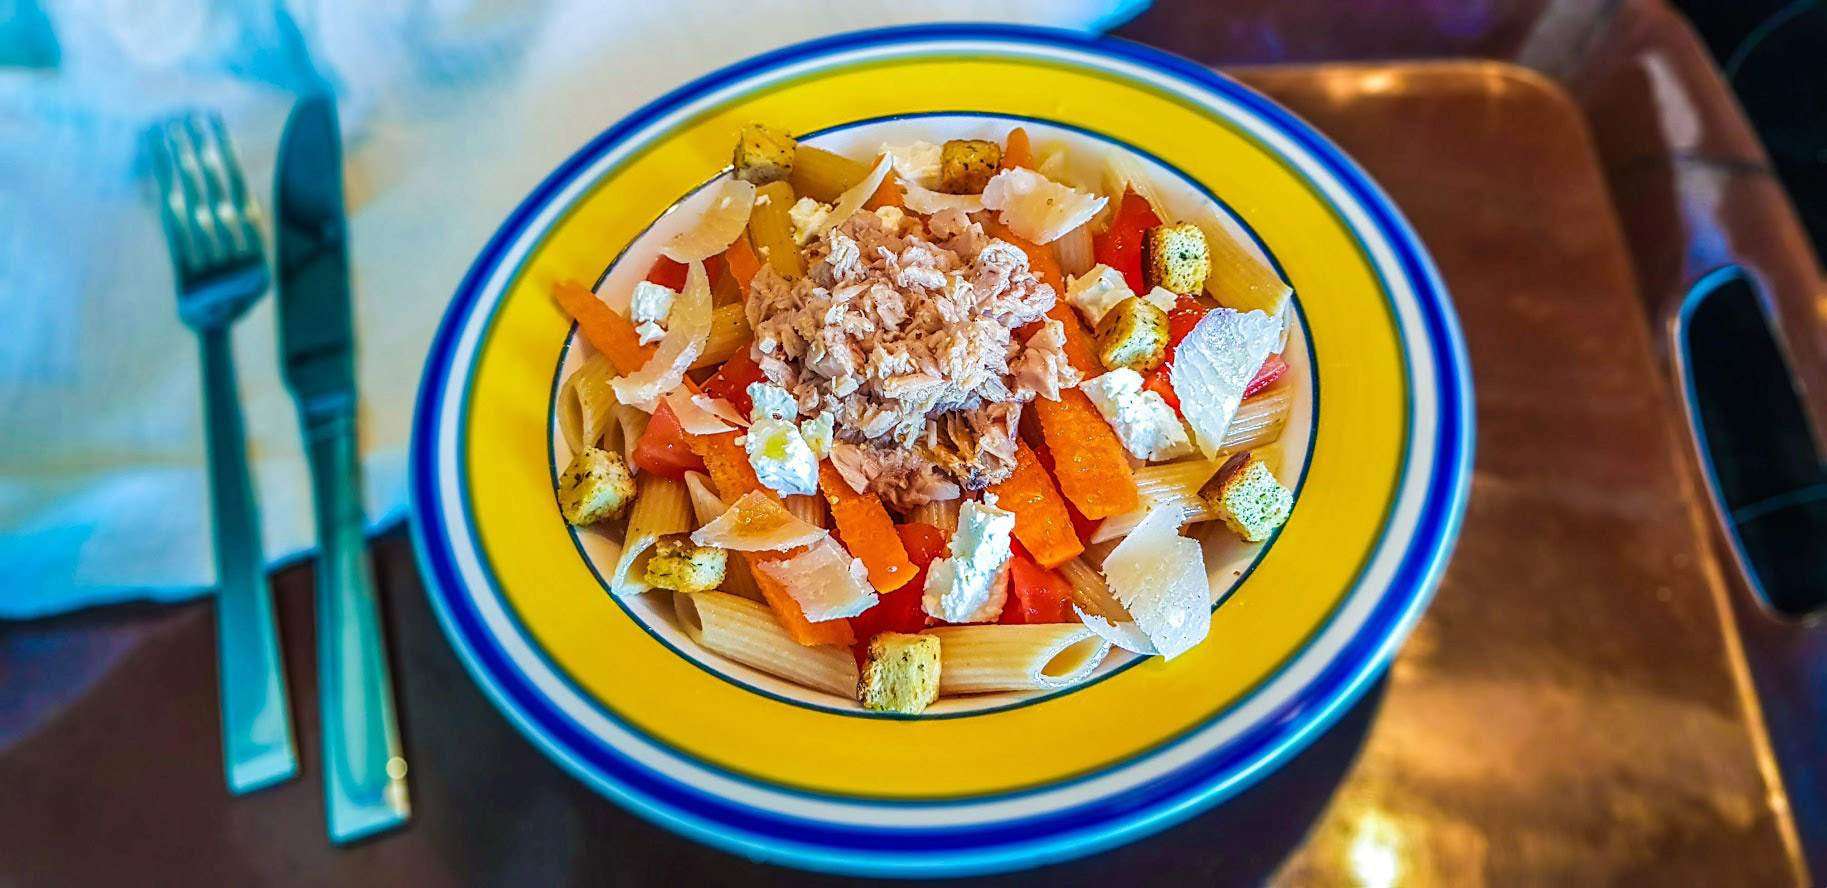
x,y
1379,447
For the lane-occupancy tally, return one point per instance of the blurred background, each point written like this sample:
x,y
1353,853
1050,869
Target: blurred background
x,y
1623,678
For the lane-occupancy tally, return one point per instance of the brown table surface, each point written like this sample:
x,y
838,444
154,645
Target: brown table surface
x,y
1566,713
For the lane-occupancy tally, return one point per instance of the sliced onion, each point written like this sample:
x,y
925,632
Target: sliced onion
x,y
851,201
757,523
690,329
923,200
693,418
825,581
721,224
1038,208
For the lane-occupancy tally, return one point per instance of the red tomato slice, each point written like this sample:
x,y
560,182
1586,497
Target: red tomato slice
x,y
662,449
1271,370
901,610
1036,594
1120,247
731,381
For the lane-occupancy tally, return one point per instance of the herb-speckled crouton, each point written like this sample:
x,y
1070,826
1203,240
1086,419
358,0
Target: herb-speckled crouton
x,y
680,565
902,674
966,165
764,154
1175,257
1133,334
1248,497
596,486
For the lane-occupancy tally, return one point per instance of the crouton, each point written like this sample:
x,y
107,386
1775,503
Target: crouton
x,y
764,154
680,565
1134,334
1175,257
596,486
902,674
966,165
1248,497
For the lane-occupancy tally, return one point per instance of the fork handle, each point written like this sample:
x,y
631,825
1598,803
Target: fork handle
x,y
364,772
256,721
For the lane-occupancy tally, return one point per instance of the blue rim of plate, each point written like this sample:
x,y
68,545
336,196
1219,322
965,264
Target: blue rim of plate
x,y
1018,841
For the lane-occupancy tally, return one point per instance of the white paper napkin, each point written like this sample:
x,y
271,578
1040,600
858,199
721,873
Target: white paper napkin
x,y
452,110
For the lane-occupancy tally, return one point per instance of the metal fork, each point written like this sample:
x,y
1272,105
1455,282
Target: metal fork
x,y
212,225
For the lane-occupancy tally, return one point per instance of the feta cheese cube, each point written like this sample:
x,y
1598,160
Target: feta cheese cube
x,y
650,302
1148,428
1162,298
650,332
1096,292
782,461
895,219
818,432
771,402
808,217
971,585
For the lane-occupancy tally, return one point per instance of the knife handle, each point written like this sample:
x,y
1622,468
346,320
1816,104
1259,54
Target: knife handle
x,y
364,772
256,722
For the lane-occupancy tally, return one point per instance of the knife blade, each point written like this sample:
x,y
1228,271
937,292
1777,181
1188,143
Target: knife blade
x,y
364,770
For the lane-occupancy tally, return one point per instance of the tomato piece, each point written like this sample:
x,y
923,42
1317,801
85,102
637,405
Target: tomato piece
x,y
1271,370
1182,318
731,381
1161,383
903,609
1120,247
1036,594
671,275
662,449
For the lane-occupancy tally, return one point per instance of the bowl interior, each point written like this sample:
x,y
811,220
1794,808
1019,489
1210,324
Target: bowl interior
x,y
1228,561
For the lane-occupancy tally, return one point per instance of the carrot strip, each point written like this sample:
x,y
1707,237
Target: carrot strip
x,y
1017,153
728,465
867,531
1042,523
609,332
791,617
742,262
1089,461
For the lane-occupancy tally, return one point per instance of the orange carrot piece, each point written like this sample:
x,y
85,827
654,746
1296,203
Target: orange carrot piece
x,y
728,465
611,333
1040,258
787,610
1017,153
1042,523
887,194
867,531
742,262
1089,462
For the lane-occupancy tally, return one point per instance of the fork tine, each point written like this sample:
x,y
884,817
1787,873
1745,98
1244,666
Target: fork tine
x,y
245,207
201,187
227,189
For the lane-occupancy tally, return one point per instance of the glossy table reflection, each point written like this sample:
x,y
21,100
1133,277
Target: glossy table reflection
x,y
1566,713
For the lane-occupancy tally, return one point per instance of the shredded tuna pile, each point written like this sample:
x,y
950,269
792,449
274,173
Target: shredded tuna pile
x,y
908,335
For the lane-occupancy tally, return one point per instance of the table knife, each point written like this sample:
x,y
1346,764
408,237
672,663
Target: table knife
x,y
364,771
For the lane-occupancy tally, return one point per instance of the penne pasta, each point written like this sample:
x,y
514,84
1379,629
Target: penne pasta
x,y
942,514
706,507
747,632
1091,593
1176,484
808,507
771,231
661,507
729,332
994,657
1240,278
632,421
586,406
1259,420
1073,249
823,176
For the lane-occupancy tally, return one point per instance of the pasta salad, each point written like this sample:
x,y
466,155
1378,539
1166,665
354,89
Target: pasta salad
x,y
934,422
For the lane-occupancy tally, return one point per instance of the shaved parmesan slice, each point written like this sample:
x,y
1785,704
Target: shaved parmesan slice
x,y
1215,363
1037,208
1124,635
1159,576
757,523
825,580
719,227
851,201
721,409
918,163
693,418
922,200
691,323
